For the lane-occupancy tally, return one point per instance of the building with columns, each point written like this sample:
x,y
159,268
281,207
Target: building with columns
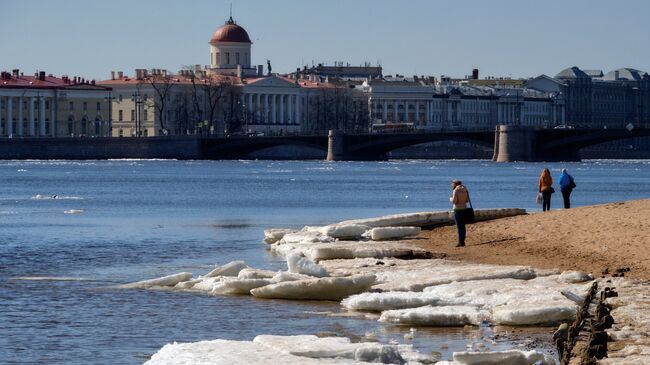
x,y
46,106
428,105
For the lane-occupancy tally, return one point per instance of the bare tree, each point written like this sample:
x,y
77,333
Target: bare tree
x,y
162,84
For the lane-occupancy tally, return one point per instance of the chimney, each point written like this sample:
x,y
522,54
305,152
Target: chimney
x,y
112,75
260,70
120,74
164,73
15,72
475,74
616,75
240,72
41,75
138,74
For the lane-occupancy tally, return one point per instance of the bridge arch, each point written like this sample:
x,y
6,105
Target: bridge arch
x,y
376,146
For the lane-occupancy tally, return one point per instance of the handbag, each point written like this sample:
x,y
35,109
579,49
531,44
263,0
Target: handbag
x,y
539,198
573,184
469,212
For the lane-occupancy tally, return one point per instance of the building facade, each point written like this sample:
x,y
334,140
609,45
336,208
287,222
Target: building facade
x,y
46,106
598,100
429,105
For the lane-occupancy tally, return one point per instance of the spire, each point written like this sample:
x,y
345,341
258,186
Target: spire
x,y
230,21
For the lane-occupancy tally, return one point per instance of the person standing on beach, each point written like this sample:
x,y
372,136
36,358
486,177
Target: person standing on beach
x,y
459,198
566,187
545,187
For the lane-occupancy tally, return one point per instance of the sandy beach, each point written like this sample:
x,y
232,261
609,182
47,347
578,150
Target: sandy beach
x,y
594,238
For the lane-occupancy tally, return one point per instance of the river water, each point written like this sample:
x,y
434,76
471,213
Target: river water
x,y
74,229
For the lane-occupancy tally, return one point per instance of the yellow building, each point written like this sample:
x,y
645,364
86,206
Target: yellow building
x,y
46,106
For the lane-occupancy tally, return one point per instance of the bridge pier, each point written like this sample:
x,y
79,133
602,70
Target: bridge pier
x,y
514,143
335,146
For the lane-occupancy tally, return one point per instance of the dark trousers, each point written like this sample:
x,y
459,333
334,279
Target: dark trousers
x,y
546,200
459,218
566,195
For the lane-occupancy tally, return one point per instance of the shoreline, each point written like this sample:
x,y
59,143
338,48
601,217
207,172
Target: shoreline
x,y
610,236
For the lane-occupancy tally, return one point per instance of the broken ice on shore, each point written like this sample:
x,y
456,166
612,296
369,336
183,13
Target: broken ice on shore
x,y
309,349
361,238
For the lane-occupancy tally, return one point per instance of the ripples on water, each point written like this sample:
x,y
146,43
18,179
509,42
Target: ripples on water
x,y
143,219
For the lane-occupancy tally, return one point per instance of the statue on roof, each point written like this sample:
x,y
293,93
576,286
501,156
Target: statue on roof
x,y
268,66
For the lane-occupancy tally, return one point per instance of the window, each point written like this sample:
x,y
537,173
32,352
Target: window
x,y
237,57
99,106
97,128
85,106
132,114
120,116
47,104
121,133
119,97
218,58
227,58
71,105
145,115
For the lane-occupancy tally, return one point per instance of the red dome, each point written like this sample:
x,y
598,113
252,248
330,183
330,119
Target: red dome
x,y
230,32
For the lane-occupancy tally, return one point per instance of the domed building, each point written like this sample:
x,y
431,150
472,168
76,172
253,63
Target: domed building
x,y
230,47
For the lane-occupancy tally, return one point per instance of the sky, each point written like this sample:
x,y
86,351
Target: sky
x,y
516,38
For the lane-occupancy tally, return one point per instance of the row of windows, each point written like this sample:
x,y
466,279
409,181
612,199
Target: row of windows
x,y
218,58
98,106
120,115
120,98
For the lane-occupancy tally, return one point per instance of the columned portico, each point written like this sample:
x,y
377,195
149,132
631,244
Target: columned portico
x,y
10,116
53,118
32,116
41,116
21,116
282,109
289,109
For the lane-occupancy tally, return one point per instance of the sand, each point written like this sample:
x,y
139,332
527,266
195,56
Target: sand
x,y
594,238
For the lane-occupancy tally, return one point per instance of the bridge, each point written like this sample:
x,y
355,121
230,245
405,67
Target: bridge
x,y
510,143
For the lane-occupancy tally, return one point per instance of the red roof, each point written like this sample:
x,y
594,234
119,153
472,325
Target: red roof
x,y
230,32
180,79
8,80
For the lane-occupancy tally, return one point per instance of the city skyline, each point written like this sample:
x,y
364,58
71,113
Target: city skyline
x,y
512,39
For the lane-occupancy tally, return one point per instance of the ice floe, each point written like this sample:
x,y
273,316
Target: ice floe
x,y
251,273
273,235
328,288
508,357
287,350
73,211
55,197
300,265
230,269
514,302
238,286
436,316
169,280
386,233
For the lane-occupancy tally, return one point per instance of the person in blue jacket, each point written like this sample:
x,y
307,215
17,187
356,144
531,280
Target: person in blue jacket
x,y
566,186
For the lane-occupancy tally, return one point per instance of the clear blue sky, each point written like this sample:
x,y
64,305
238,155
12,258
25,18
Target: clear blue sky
x,y
519,38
